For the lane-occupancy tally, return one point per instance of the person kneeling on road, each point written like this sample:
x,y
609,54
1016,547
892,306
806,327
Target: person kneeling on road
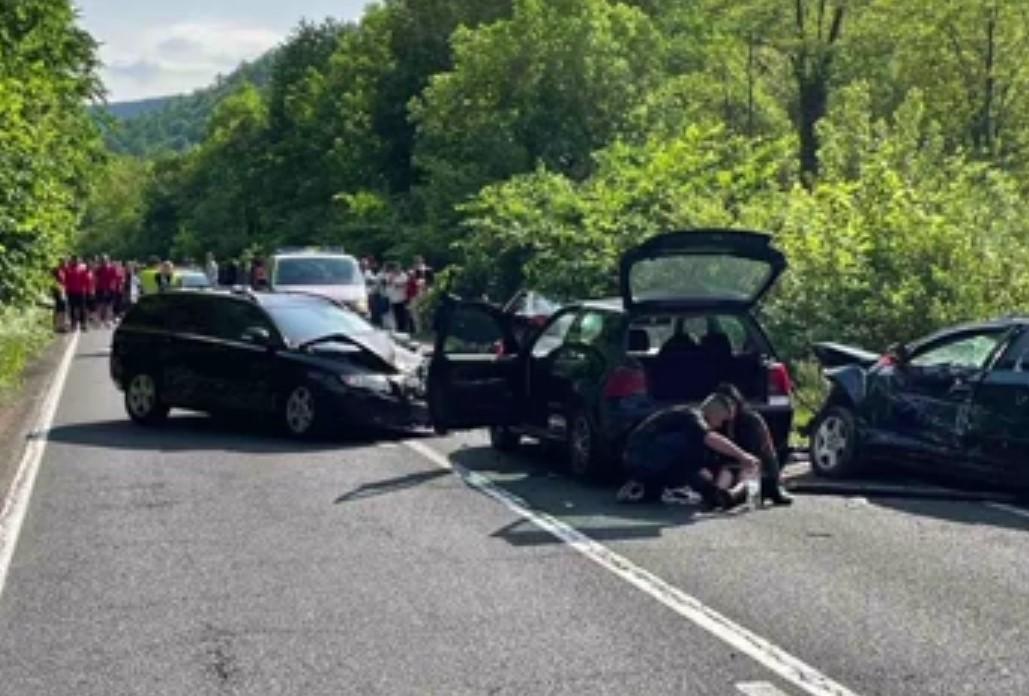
x,y
671,449
751,434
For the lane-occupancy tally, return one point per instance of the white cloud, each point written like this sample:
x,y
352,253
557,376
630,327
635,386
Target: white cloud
x,y
178,58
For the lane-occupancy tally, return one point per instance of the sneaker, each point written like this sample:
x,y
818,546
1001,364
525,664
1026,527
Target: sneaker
x,y
680,496
631,492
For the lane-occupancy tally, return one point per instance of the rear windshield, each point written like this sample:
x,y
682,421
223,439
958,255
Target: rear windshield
x,y
317,270
698,277
700,329
304,321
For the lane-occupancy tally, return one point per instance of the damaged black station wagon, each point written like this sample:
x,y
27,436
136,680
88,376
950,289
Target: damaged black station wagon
x,y
684,322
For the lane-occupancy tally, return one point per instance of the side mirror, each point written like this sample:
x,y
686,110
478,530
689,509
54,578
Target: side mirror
x,y
258,335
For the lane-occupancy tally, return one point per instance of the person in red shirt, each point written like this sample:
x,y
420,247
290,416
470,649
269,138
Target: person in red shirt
x,y
77,280
105,277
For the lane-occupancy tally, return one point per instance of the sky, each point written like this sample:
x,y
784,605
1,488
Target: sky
x,y
153,48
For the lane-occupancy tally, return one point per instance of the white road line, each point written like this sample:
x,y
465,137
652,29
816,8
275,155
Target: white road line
x,y
17,503
1020,512
758,689
774,658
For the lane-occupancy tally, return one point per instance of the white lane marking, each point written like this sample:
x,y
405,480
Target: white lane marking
x,y
774,658
17,503
758,689
1020,512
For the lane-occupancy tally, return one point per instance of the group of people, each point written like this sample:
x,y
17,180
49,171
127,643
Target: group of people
x,y
721,452
92,291
394,292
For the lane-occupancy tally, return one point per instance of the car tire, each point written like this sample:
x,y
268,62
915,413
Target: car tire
x,y
143,400
584,457
834,443
503,439
301,412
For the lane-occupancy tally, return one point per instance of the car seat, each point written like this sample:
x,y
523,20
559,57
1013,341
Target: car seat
x,y
638,341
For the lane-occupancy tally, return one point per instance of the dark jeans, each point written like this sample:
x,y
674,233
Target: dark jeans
x,y
77,305
402,317
751,434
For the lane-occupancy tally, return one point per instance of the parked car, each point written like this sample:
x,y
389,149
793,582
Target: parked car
x,y
301,359
684,322
190,279
955,402
331,274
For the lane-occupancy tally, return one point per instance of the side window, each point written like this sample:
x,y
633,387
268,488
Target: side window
x,y
964,351
553,336
185,314
1016,358
473,330
594,328
229,319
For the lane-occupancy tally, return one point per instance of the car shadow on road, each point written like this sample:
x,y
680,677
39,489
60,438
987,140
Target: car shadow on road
x,y
391,485
533,475
197,433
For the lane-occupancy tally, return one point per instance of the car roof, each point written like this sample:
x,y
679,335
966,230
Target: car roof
x,y
998,324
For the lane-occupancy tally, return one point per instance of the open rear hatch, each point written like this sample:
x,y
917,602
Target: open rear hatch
x,y
700,269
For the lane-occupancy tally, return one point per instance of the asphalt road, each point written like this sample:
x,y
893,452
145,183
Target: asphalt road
x,y
214,558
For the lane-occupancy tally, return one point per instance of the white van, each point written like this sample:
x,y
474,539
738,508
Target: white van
x,y
334,275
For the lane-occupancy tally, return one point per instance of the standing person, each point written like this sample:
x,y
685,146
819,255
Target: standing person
x,y
372,284
165,276
211,270
258,275
102,290
148,276
130,285
59,293
396,292
77,283
673,447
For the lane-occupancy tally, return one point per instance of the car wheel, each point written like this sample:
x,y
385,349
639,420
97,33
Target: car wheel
x,y
300,411
504,439
143,400
834,443
583,447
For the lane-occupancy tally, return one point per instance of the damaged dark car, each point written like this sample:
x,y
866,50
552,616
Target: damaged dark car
x,y
303,361
685,320
954,403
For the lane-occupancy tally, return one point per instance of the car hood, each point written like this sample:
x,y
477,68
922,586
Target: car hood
x,y
379,347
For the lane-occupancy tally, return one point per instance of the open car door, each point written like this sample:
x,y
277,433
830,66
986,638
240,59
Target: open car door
x,y
709,269
475,368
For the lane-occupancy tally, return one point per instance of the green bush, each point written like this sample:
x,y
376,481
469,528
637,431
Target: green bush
x,y
23,334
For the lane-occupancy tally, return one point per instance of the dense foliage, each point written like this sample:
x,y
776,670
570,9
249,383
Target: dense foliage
x,y
529,142
48,147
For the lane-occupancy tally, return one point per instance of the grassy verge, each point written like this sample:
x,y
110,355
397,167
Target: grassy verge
x,y
23,335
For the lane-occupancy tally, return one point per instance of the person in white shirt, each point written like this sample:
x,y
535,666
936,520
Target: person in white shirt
x,y
211,269
396,292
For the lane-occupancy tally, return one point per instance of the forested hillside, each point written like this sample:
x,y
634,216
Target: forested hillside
x,y
884,142
176,123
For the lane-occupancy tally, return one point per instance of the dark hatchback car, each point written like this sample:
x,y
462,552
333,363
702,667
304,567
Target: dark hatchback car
x,y
955,402
685,321
300,359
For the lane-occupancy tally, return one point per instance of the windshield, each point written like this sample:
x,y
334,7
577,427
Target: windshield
x,y
301,322
194,280
317,270
698,277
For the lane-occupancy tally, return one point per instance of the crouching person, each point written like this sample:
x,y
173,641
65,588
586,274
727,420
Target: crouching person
x,y
751,434
673,448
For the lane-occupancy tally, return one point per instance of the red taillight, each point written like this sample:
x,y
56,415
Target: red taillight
x,y
779,382
625,381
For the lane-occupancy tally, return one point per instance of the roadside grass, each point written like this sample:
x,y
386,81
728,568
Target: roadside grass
x,y
24,333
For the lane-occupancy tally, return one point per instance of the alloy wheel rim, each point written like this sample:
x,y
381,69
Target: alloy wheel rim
x,y
142,395
300,410
831,442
